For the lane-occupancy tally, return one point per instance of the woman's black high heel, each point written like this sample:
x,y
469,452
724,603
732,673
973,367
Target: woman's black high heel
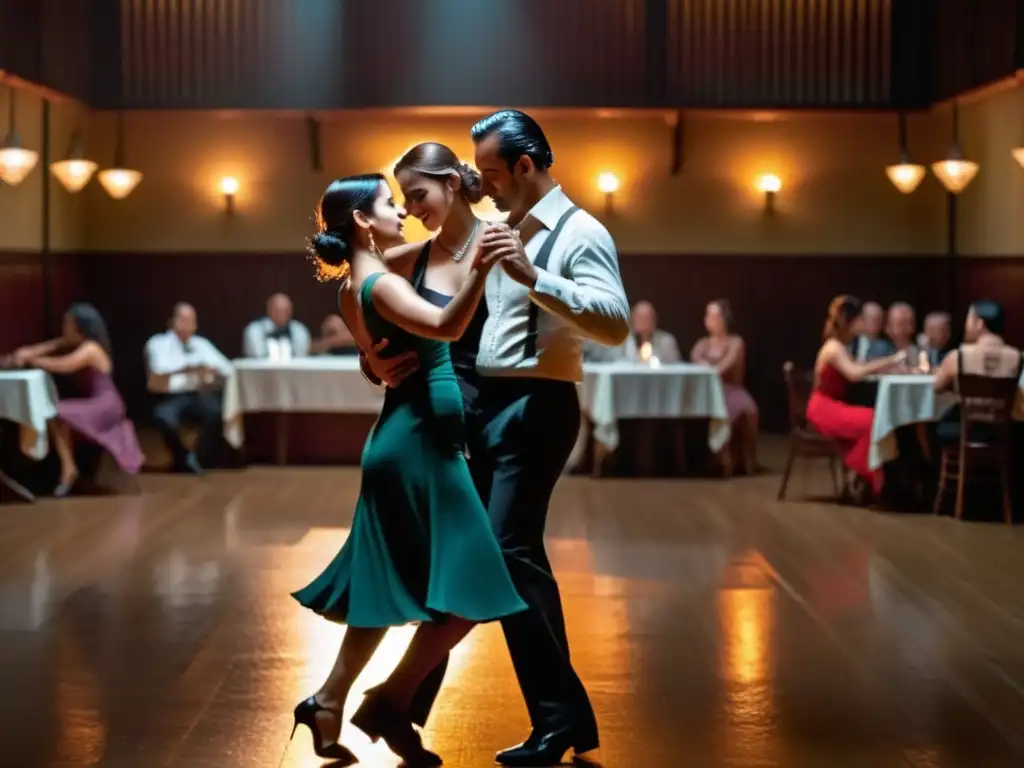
x,y
305,714
378,719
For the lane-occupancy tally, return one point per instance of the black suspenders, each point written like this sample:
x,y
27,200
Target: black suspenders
x,y
541,262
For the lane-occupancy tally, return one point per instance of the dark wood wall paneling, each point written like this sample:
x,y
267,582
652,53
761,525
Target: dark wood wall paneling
x,y
23,291
975,43
328,54
331,54
780,53
785,323
49,42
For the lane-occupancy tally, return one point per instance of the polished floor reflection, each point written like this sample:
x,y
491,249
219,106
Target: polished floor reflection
x,y
712,625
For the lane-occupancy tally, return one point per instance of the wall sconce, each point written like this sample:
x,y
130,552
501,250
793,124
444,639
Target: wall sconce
x,y
769,184
229,188
608,183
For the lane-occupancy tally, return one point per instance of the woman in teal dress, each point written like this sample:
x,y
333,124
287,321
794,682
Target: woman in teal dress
x,y
421,548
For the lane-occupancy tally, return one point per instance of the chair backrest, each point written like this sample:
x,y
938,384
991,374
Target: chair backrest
x,y
988,383
987,399
798,391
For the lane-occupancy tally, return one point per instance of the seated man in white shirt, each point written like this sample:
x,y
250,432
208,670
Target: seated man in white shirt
x,y
277,336
185,373
647,340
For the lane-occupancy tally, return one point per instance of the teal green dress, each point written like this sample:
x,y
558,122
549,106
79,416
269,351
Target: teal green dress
x,y
421,544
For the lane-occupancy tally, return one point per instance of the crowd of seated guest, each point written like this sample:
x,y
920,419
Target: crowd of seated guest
x,y
186,373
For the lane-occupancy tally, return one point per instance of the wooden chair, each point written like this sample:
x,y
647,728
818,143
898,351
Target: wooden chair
x,y
986,419
804,441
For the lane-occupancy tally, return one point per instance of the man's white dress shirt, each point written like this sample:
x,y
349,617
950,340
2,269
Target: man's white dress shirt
x,y
580,293
167,355
258,340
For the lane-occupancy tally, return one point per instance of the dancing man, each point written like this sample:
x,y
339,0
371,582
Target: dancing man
x,y
559,283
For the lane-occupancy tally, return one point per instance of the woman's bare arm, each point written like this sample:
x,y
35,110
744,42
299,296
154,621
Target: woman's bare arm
x,y
88,354
397,302
839,357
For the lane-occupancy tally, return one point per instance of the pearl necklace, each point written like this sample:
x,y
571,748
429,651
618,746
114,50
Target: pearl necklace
x,y
458,255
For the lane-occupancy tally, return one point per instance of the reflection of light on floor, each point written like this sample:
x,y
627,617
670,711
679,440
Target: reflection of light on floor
x,y
479,671
746,614
322,642
82,735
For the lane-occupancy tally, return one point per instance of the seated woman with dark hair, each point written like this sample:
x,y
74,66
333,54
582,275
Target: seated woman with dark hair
x,y
727,353
827,410
83,352
983,353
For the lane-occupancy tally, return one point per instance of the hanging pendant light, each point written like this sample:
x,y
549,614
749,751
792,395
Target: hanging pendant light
x,y
16,162
119,181
74,171
905,175
955,172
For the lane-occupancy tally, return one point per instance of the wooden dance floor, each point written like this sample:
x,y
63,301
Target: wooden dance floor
x,y
712,625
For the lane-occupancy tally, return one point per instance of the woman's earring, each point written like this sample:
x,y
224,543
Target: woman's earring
x,y
373,244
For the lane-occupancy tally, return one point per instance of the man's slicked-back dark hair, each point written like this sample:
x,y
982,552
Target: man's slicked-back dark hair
x,y
518,135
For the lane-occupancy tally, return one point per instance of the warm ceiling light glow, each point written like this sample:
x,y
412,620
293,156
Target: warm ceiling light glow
x,y
906,177
119,182
1018,155
955,173
608,183
16,162
73,174
229,186
769,182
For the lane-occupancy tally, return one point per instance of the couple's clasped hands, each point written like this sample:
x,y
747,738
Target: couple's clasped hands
x,y
500,245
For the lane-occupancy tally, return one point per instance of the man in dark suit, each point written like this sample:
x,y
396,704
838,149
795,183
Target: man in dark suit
x,y
870,344
938,330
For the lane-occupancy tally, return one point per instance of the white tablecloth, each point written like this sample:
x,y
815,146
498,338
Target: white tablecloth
x,y
302,385
613,391
29,399
610,391
905,399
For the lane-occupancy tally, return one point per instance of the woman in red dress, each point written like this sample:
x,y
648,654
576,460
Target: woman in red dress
x,y
834,370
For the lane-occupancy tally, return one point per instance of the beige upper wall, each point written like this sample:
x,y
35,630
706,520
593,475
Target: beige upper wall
x,y
835,197
21,218
992,207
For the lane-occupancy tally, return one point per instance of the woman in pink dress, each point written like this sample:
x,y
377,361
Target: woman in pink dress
x,y
99,414
834,370
727,353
